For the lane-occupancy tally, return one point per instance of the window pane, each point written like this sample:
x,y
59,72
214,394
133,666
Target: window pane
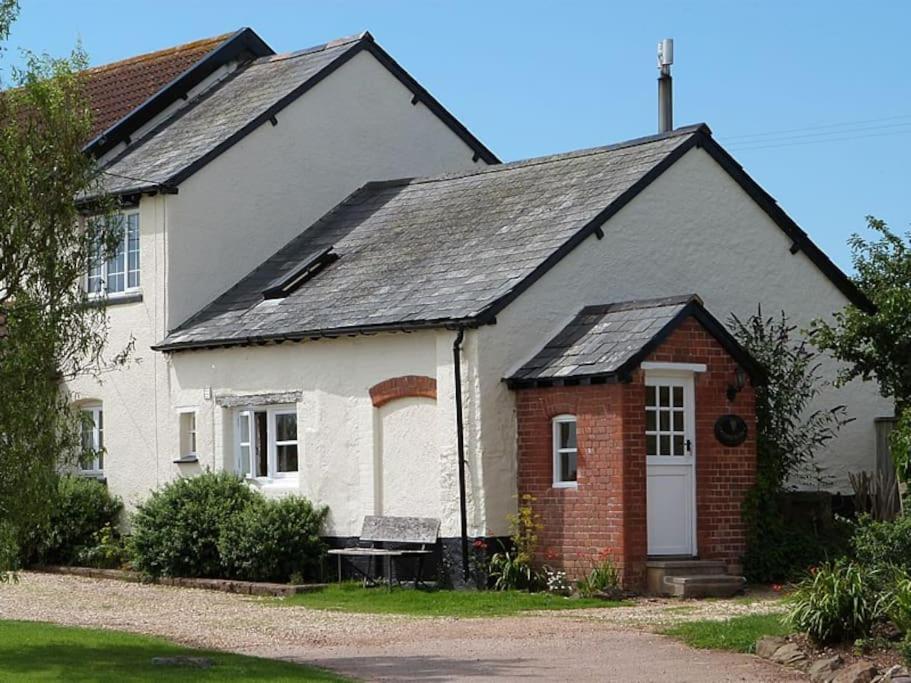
x,y
133,250
567,467
244,427
678,420
649,420
650,395
664,396
243,467
262,449
286,427
651,445
286,458
567,434
678,445
664,421
678,396
665,443
115,279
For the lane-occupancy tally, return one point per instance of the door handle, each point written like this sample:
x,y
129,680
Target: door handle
x,y
689,446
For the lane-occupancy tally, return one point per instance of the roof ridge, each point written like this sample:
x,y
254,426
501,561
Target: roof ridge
x,y
145,56
338,42
548,158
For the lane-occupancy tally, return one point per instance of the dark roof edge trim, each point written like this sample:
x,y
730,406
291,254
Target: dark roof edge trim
x,y
625,198
244,41
355,330
801,239
432,104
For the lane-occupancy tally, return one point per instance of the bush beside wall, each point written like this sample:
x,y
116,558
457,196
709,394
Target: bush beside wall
x,y
216,526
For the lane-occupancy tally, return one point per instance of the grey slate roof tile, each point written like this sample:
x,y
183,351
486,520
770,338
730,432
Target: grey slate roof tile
x,y
601,340
430,251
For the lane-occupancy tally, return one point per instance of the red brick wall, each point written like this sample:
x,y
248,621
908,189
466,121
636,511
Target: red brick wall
x,y
606,514
403,387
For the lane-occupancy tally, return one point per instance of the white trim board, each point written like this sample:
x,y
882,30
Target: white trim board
x,y
674,367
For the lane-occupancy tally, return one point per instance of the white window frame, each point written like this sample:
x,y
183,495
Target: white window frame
x,y
558,451
103,270
272,412
189,437
96,467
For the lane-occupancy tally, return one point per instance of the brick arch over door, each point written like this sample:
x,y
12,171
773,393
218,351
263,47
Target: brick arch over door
x,y
403,387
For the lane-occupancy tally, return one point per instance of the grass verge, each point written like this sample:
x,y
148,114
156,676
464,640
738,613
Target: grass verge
x,y
352,597
36,651
738,634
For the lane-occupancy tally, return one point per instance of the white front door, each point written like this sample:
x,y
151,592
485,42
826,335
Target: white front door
x,y
670,463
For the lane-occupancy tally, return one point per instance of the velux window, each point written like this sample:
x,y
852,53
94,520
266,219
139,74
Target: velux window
x,y
120,271
565,451
266,440
92,461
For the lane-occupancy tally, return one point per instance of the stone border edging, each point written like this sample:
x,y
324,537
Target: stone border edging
x,y
278,590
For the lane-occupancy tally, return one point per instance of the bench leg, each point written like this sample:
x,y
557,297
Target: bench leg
x,y
339,568
420,573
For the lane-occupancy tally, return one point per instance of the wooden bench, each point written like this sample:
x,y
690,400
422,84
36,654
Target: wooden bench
x,y
412,536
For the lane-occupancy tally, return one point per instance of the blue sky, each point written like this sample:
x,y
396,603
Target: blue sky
x,y
531,78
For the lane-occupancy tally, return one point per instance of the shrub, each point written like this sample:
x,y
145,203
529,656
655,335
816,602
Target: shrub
x,y
80,508
176,531
272,540
603,578
839,602
512,567
879,544
108,551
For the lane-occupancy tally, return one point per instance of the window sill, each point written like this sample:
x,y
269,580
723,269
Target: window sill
x,y
185,459
93,474
571,485
274,484
118,299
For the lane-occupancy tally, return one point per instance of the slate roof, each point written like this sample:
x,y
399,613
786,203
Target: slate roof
x,y
434,251
114,90
608,341
249,97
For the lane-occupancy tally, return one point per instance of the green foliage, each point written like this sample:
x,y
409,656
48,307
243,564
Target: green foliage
x,y
80,509
177,530
108,550
738,634
898,600
513,567
900,445
875,345
904,649
49,331
840,601
603,578
273,539
881,544
789,434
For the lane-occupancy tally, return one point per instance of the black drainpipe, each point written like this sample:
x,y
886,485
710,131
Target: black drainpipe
x,y
460,438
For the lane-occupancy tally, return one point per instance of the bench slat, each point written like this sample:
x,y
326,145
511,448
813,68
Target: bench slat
x,y
378,529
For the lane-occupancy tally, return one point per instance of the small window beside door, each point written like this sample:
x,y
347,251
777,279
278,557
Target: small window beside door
x,y
665,420
266,442
565,451
91,463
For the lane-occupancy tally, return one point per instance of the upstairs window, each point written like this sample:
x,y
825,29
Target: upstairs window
x,y
120,272
92,461
266,442
565,451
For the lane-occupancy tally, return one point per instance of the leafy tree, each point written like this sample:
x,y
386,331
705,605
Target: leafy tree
x,y
51,330
789,434
878,345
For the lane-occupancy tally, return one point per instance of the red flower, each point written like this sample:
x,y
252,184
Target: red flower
x,y
776,587
551,554
480,544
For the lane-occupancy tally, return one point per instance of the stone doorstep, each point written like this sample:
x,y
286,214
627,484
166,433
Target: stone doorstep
x,y
657,570
704,586
260,588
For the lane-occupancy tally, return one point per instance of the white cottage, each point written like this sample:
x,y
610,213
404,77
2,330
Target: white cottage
x,y
322,330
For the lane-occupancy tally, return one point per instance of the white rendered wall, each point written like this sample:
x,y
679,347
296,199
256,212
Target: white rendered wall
x,y
355,126
692,230
354,457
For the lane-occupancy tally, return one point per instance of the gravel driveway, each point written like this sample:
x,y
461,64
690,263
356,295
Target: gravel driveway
x,y
604,645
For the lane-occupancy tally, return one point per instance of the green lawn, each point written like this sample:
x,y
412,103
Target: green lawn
x,y
32,651
738,634
352,597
